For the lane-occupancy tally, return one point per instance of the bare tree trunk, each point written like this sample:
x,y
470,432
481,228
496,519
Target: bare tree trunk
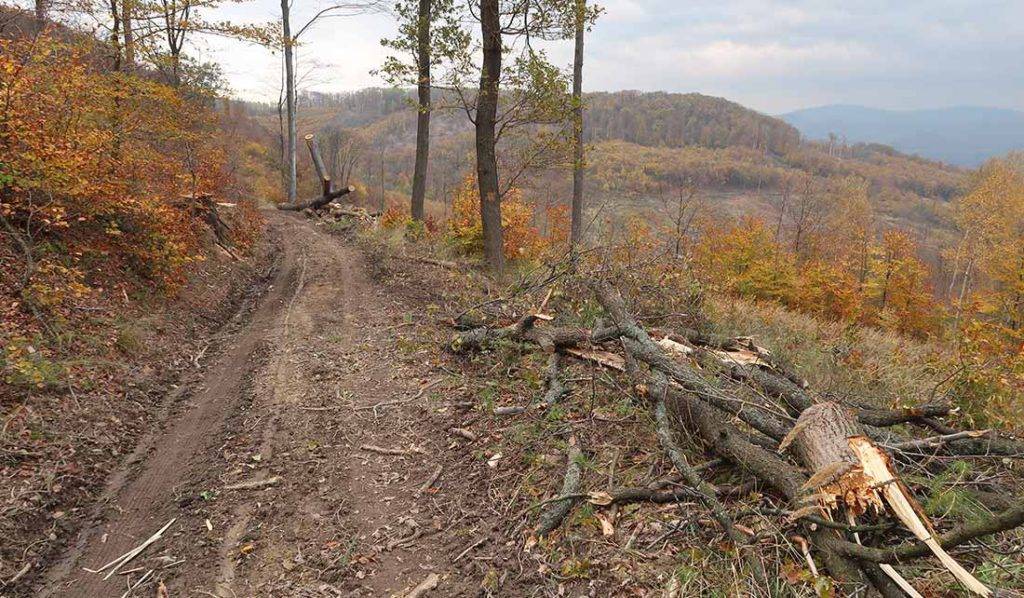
x,y
486,123
419,177
289,76
40,15
127,7
576,227
281,142
115,33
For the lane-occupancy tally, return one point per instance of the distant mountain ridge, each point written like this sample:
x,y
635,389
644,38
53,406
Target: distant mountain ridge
x,y
963,135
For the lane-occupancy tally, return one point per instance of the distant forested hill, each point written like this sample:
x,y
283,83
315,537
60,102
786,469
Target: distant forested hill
x,y
965,136
642,146
676,120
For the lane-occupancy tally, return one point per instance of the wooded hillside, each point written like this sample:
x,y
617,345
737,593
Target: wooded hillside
x,y
642,146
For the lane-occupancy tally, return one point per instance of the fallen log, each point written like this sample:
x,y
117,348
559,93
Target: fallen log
x,y
706,493
797,399
556,511
318,202
698,406
993,444
556,387
850,472
693,414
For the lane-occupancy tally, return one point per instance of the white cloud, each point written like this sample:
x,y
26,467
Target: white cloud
x,y
773,55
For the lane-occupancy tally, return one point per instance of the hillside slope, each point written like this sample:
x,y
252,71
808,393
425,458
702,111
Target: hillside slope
x,y
642,145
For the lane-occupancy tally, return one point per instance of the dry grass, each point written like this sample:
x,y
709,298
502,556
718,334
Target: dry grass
x,y
673,549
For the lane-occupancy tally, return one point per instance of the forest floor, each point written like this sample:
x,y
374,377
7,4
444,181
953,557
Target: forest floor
x,y
336,429
322,443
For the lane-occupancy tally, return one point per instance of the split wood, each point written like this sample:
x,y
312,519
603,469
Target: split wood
x,y
255,484
125,558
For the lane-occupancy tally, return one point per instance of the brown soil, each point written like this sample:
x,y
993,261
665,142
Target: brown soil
x,y
328,365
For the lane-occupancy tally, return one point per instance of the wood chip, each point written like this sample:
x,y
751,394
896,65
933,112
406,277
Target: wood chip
x,y
390,451
425,586
255,484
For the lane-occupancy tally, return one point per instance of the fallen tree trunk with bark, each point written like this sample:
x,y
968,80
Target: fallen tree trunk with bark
x,y
328,194
825,458
317,203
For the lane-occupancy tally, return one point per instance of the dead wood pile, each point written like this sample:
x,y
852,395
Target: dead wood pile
x,y
836,462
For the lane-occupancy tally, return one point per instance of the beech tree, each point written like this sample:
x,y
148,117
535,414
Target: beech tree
x,y
516,89
429,30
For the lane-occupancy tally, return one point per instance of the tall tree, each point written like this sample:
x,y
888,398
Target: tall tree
x,y
576,226
419,177
428,31
486,129
513,94
289,83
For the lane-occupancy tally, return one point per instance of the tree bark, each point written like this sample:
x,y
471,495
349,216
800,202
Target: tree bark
x,y
40,15
289,70
127,8
318,164
419,177
486,124
318,202
819,437
576,225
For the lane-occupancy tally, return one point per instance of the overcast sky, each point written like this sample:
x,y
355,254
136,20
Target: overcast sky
x,y
771,55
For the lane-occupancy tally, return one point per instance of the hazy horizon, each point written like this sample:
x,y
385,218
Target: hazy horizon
x,y
771,55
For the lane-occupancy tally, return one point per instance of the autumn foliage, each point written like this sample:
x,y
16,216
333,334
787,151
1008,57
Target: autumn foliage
x,y
987,288
95,167
521,238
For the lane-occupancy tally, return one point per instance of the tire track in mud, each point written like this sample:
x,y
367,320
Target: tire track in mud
x,y
296,394
284,382
142,495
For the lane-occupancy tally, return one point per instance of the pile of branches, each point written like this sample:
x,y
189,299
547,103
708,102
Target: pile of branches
x,y
836,463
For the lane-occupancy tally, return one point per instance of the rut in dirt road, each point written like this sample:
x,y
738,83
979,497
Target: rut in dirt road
x,y
298,404
142,495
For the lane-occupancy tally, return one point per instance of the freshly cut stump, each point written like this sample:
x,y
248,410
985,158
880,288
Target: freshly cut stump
x,y
851,471
820,442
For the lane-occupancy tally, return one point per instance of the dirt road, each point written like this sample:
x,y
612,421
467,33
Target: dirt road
x,y
302,461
